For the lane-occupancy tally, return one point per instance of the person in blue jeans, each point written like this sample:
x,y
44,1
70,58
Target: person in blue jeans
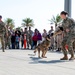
x,y
17,40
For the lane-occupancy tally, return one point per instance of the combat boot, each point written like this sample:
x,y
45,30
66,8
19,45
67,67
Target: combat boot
x,y
3,50
72,56
64,58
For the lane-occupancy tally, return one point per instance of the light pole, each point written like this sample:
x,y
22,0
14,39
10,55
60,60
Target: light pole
x,y
67,6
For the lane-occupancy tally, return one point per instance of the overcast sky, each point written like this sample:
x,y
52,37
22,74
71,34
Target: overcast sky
x,y
38,10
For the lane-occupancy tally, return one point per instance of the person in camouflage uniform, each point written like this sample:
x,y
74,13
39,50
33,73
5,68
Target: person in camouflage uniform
x,y
30,32
68,25
2,32
8,38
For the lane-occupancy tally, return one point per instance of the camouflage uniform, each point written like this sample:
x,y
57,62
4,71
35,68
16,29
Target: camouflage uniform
x,y
8,40
30,32
68,37
52,39
2,32
59,40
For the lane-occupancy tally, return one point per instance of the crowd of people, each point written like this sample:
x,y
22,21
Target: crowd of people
x,y
26,38
29,39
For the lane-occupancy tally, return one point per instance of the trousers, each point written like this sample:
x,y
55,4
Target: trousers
x,y
68,40
2,41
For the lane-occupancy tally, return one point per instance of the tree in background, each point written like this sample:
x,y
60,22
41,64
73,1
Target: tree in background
x,y
55,20
27,22
10,22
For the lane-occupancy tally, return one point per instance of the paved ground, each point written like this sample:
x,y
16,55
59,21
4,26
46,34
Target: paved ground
x,y
22,62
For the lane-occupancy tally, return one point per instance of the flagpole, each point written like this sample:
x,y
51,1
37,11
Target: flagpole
x,y
67,6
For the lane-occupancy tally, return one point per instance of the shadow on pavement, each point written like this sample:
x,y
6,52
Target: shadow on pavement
x,y
38,60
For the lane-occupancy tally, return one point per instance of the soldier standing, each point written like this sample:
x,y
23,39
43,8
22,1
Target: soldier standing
x,y
30,32
59,41
2,32
68,25
8,38
52,38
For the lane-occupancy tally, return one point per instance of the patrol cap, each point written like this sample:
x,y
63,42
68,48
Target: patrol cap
x,y
0,16
64,12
